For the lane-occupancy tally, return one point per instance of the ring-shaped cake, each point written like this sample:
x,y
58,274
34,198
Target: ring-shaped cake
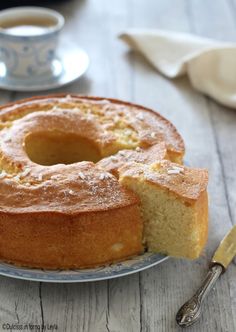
x,y
63,203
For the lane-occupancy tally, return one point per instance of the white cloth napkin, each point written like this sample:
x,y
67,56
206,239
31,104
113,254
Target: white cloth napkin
x,y
210,64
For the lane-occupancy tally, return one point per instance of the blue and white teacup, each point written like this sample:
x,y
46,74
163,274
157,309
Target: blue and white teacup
x,y
29,42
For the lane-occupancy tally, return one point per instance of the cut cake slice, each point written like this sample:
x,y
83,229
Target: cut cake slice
x,y
174,206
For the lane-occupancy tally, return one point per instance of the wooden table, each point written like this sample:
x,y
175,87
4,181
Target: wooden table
x,y
147,301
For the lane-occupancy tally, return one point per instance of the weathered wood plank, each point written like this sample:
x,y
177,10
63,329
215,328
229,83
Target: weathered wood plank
x,y
6,96
20,300
75,307
20,303
81,307
111,77
190,112
223,119
124,304
123,294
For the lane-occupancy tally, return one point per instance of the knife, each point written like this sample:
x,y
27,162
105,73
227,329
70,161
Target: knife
x,y
190,312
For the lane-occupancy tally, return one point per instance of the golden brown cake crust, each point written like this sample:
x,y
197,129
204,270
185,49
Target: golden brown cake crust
x,y
146,156
77,215
184,182
58,241
163,130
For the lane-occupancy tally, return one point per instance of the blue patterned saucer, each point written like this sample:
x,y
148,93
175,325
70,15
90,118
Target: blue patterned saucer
x,y
72,63
130,266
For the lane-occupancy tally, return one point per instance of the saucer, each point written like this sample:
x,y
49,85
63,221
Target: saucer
x,y
72,63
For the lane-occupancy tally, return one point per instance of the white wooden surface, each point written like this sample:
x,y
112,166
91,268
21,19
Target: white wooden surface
x,y
147,301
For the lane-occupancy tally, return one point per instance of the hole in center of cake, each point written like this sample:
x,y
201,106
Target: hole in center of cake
x,y
51,148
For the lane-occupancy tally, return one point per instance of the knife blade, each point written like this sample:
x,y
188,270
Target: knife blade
x,y
190,312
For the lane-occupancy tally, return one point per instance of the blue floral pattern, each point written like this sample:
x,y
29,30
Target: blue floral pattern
x,y
130,266
25,57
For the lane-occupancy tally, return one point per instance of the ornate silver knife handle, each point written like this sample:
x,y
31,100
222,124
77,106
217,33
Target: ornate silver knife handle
x,y
190,312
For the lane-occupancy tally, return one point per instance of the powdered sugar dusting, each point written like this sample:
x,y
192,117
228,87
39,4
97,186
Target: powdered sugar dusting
x,y
173,171
3,174
40,177
180,169
140,116
105,176
113,158
25,172
82,176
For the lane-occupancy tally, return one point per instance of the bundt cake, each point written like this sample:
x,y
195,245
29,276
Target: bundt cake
x,y
68,198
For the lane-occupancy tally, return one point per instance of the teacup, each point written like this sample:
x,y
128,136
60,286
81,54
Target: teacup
x,y
29,42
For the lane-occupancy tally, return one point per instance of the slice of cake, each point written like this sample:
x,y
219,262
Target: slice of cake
x,y
174,206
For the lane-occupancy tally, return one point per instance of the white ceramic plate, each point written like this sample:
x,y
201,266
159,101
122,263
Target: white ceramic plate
x,y
72,63
133,265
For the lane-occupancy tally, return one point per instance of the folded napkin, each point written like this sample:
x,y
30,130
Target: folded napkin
x,y
209,64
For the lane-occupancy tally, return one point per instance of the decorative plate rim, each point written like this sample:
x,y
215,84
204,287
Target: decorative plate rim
x,y
130,266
